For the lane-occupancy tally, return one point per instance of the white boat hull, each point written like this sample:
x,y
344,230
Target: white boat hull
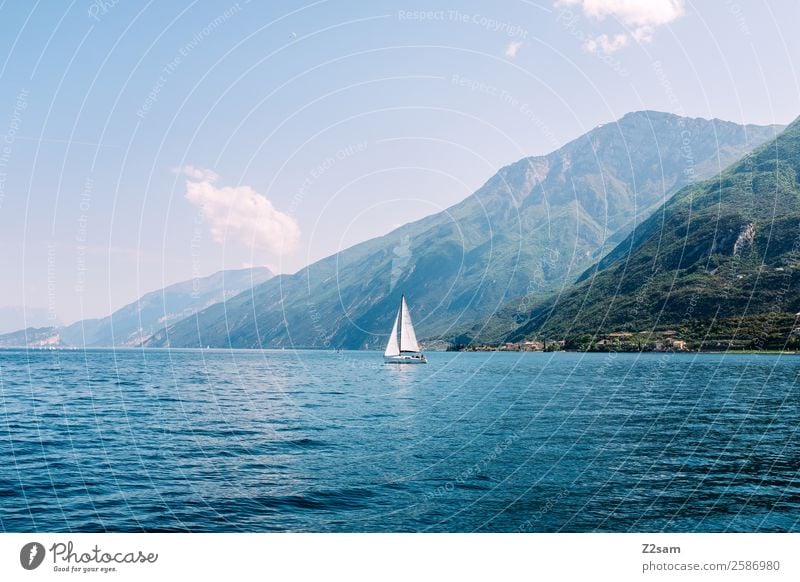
x,y
405,359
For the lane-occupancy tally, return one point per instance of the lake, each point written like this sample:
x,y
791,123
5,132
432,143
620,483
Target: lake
x,y
215,440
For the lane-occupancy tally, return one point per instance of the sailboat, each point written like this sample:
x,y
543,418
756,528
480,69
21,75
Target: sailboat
x,y
404,350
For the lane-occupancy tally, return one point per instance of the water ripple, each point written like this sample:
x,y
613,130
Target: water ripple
x,y
282,441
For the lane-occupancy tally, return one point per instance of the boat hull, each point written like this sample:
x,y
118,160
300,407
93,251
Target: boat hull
x,y
405,359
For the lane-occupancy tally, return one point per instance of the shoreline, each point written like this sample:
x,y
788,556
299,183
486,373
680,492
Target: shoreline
x,y
312,349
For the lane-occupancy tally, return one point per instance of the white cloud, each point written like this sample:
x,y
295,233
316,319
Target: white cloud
x,y
513,48
200,174
241,213
632,12
642,17
606,43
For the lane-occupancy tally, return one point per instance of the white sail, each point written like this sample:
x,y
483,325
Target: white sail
x,y
392,348
408,339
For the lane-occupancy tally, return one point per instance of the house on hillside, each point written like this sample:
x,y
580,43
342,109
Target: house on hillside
x,y
533,346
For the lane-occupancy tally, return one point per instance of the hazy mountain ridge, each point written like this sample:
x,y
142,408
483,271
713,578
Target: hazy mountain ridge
x,y
134,323
14,317
534,226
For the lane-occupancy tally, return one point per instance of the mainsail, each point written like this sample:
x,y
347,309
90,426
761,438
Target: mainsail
x,y
408,339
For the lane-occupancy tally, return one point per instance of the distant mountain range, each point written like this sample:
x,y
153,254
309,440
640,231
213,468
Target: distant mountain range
x,y
19,316
136,322
531,229
719,263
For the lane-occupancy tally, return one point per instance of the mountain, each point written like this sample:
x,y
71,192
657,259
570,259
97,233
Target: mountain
x,y
17,316
534,226
32,337
132,324
718,263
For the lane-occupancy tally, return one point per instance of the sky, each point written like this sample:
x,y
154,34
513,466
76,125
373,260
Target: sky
x,y
149,143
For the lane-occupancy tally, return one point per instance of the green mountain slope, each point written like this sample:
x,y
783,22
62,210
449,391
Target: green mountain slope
x,y
718,262
534,226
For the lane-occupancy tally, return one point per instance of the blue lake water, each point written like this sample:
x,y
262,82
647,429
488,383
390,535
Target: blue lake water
x,y
132,440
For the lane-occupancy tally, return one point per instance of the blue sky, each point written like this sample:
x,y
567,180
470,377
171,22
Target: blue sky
x,y
145,144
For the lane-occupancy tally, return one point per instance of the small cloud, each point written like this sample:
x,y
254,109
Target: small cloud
x,y
240,212
643,34
199,174
513,48
606,43
642,17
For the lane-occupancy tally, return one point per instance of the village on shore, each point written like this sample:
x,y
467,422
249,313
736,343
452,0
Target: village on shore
x,y
620,341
